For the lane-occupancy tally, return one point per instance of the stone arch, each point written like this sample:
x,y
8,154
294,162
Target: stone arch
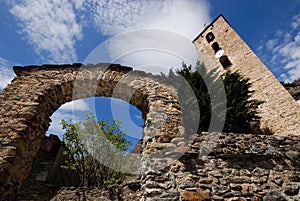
x,y
38,91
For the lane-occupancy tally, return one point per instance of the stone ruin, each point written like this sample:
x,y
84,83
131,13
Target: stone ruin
x,y
237,167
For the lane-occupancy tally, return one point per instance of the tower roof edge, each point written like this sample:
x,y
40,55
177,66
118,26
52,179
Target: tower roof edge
x,y
200,34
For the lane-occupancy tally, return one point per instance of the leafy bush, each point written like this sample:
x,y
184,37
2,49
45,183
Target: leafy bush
x,y
93,148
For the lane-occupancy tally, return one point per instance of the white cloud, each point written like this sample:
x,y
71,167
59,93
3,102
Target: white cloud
x,y
75,111
77,105
50,27
78,3
53,27
149,35
183,17
116,16
6,73
296,21
55,126
152,50
271,44
284,49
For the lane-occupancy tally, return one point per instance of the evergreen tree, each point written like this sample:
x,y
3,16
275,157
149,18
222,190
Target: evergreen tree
x,y
242,111
237,111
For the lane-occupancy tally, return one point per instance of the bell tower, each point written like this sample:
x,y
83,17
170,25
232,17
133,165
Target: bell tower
x,y
219,46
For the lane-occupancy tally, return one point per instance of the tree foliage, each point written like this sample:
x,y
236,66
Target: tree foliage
x,y
240,111
95,150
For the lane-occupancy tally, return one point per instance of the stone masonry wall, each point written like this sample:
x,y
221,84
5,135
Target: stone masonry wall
x,y
242,167
279,112
38,91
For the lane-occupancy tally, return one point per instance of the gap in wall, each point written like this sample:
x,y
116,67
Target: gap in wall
x,y
104,108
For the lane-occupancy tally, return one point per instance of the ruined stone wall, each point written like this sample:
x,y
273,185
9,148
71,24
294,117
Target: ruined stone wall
x,y
38,91
280,112
242,167
128,191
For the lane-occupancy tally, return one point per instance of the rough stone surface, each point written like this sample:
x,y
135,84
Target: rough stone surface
x,y
261,171
97,194
279,112
294,89
35,186
38,91
256,172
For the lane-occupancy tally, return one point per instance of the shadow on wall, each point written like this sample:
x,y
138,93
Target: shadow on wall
x,y
243,152
60,176
47,176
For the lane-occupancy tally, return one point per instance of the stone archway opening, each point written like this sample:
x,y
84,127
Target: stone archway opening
x,y
103,108
38,91
47,173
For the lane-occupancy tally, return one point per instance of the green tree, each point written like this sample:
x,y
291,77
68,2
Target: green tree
x,y
242,110
95,150
196,79
238,111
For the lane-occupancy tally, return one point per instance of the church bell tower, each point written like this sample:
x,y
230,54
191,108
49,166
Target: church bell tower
x,y
219,46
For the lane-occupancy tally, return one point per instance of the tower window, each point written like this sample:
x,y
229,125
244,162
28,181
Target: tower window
x,y
215,46
210,37
225,61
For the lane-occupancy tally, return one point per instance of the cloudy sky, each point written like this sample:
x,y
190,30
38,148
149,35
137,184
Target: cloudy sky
x,y
152,35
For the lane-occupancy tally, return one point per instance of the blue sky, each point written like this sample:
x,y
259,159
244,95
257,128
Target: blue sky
x,y
138,33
